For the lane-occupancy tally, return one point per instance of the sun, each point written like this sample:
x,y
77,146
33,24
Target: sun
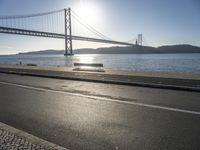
x,y
89,12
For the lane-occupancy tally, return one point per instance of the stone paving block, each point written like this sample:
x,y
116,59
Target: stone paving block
x,y
14,139
9,141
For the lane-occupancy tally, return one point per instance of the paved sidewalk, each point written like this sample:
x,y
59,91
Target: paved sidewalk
x,y
14,139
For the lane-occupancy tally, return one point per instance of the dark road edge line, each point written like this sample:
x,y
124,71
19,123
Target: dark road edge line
x,y
140,84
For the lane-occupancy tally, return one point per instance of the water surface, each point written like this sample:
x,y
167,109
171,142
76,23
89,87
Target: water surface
x,y
140,62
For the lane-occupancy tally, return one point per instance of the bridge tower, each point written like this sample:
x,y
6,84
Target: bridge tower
x,y
68,32
139,41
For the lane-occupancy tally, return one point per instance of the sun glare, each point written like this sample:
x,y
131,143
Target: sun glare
x,y
89,12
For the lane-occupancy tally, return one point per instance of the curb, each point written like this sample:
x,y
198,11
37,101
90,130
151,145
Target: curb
x,y
21,135
108,81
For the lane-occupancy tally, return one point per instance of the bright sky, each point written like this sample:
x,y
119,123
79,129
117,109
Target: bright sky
x,y
162,22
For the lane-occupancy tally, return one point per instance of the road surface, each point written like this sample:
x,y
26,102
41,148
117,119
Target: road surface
x,y
84,115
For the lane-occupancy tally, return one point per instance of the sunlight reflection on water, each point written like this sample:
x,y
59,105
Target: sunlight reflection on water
x,y
86,59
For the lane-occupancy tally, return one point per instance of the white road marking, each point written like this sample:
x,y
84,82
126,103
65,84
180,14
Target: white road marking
x,y
105,99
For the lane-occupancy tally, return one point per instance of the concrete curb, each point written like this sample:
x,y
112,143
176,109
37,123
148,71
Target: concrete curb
x,y
58,75
30,138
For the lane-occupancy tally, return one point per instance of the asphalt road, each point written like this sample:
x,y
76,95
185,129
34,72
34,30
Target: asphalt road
x,y
85,115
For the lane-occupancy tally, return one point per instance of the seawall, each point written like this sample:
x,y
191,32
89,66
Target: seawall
x,y
170,80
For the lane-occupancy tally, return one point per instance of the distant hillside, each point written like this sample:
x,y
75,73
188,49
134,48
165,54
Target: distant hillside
x,y
117,50
126,50
180,49
43,52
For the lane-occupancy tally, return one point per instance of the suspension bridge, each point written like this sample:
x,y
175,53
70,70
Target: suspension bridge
x,y
54,24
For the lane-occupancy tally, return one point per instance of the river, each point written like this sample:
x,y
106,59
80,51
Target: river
x,y
189,63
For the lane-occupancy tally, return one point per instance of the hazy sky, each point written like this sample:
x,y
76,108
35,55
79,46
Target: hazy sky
x,y
162,22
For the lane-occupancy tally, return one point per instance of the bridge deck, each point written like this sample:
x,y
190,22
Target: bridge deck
x,y
57,35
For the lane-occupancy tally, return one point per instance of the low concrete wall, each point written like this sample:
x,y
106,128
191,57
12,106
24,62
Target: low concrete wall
x,y
178,81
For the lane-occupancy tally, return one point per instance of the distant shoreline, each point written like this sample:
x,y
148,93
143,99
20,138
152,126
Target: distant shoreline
x,y
171,49
101,54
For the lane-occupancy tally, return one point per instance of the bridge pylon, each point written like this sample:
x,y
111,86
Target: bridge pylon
x,y
68,32
139,41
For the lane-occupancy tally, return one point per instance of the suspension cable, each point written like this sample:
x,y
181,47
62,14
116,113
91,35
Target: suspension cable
x,y
30,15
89,27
